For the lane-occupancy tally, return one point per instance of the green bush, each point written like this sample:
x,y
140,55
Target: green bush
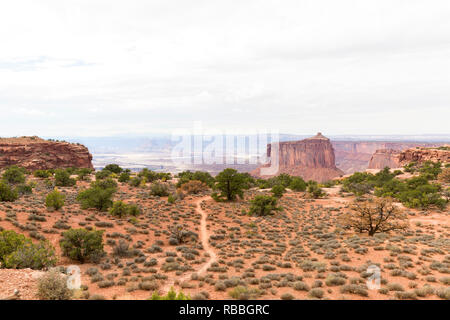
x,y
263,205
171,295
82,245
278,190
314,190
7,193
55,200
14,175
231,183
53,286
121,209
22,189
63,179
159,189
114,168
103,174
124,177
83,173
42,174
17,251
10,241
297,184
96,197
33,256
136,181
202,176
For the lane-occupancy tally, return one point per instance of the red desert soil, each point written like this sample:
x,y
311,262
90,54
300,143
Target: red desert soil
x,y
294,251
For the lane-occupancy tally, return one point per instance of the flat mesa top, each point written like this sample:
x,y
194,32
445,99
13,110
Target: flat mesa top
x,y
22,140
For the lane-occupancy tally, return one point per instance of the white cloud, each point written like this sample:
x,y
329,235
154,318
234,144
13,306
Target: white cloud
x,y
344,67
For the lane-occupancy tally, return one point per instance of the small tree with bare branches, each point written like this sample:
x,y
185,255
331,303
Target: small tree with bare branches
x,y
372,216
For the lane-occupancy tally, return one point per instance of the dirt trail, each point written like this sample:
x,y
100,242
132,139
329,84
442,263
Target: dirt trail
x,y
204,236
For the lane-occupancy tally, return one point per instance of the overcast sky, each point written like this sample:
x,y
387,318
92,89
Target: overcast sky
x,y
98,68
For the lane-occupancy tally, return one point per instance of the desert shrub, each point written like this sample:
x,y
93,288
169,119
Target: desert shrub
x,y
333,280
171,295
33,256
10,241
262,205
278,190
372,216
244,293
122,249
7,193
55,200
107,183
159,189
121,209
83,173
114,168
136,181
297,184
300,286
17,251
194,187
63,179
82,245
23,188
148,175
42,174
231,183
96,197
443,293
14,175
287,296
186,176
444,176
355,289
314,191
316,293
124,177
53,286
178,234
103,174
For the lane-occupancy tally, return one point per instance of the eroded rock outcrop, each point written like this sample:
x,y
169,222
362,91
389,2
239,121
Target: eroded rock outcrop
x,y
385,158
312,159
34,153
352,156
421,155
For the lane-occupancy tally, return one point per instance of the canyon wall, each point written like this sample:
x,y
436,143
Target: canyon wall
x,y
34,153
421,155
312,159
352,156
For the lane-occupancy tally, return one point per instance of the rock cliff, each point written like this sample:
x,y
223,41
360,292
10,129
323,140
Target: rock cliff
x,y
421,155
352,156
396,159
34,153
312,159
384,158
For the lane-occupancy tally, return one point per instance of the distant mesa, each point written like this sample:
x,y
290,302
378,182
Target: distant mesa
x,y
34,153
312,159
397,159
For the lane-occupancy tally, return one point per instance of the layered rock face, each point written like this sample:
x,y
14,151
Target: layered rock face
x,y
385,158
34,153
421,155
397,159
352,156
312,159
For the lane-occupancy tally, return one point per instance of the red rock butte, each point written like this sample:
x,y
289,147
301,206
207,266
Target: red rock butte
x,y
34,153
312,159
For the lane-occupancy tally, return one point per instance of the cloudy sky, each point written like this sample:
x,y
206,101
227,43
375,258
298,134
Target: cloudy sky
x,y
98,68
